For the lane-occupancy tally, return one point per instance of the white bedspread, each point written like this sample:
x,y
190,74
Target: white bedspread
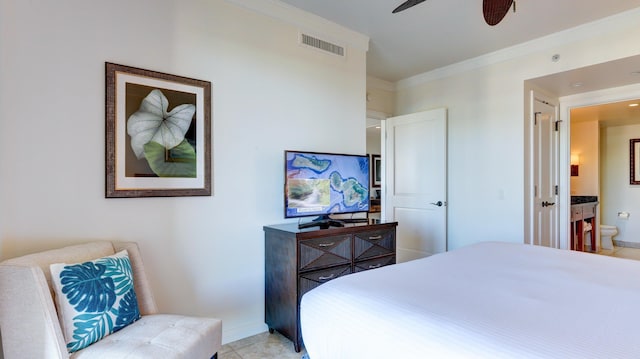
x,y
489,300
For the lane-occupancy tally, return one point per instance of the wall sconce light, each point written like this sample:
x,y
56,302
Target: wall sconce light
x,y
575,162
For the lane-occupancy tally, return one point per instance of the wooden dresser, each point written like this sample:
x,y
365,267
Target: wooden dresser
x,y
297,261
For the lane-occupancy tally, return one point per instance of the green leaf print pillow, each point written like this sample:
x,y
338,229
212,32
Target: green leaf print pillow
x,y
94,298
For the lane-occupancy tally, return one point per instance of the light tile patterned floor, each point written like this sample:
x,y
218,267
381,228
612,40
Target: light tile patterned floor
x,y
260,346
623,252
275,346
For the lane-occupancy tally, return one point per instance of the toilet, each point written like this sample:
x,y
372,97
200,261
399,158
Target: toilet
x,y
606,236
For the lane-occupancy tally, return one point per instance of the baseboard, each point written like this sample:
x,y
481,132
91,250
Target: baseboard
x,y
626,244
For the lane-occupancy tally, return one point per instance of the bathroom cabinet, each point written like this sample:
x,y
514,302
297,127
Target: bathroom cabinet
x,y
582,216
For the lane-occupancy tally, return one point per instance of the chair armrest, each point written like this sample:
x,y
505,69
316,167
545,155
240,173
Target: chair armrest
x,y
28,318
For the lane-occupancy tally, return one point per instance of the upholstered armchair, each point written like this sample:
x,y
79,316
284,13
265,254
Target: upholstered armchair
x,y
30,325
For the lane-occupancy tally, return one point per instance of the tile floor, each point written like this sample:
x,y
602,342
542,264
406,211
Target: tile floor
x,y
622,252
275,346
260,346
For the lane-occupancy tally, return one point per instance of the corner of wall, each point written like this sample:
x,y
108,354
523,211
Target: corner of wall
x,y
381,95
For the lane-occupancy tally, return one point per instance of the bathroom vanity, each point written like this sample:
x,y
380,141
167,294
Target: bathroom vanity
x,y
583,222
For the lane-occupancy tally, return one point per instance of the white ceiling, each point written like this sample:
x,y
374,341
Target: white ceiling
x,y
617,73
610,114
437,33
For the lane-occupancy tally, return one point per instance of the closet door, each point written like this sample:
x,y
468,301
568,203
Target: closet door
x,y
545,175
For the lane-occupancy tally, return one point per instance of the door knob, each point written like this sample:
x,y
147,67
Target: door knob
x,y
547,204
439,203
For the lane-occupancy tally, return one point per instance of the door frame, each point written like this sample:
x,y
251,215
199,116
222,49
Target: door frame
x,y
382,117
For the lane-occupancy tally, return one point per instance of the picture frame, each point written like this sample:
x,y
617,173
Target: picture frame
x,y
158,134
634,161
376,171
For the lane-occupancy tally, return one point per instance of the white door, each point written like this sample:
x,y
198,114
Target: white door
x,y
415,161
546,142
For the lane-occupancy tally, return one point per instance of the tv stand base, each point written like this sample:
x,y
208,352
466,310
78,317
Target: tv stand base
x,y
323,224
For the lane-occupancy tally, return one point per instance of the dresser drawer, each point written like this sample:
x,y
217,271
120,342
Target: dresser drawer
x,y
374,263
323,252
374,244
310,280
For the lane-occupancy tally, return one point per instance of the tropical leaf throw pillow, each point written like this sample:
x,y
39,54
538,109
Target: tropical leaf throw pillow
x,y
94,298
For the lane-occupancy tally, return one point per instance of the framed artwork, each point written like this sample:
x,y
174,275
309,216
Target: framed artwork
x,y
634,161
376,171
158,134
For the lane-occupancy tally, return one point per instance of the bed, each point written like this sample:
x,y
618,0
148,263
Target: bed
x,y
488,300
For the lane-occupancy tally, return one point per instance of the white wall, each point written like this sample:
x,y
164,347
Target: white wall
x,y
204,254
380,96
585,143
374,141
617,195
380,105
485,101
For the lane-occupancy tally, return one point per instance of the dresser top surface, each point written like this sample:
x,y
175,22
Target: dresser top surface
x,y
292,227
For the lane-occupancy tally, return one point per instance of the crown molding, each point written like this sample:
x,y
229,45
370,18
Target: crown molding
x,y
615,22
305,20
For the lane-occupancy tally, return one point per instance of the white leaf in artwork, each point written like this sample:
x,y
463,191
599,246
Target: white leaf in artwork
x,y
152,123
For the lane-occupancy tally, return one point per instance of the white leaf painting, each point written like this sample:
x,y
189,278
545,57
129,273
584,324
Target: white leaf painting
x,y
152,122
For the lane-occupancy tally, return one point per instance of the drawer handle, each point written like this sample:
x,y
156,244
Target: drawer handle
x,y
379,236
372,266
322,278
326,244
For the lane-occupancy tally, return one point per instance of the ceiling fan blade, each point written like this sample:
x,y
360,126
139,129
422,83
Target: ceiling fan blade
x,y
495,10
407,4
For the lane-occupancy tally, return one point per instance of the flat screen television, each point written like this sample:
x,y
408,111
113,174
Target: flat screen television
x,y
321,184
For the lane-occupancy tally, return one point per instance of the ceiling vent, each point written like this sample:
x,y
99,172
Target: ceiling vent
x,y
321,45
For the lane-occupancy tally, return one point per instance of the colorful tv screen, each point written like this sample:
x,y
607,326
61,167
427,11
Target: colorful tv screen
x,y
319,184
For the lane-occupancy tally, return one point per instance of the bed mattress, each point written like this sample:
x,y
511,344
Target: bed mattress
x,y
488,300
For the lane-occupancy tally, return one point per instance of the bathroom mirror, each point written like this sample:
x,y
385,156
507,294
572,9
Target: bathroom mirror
x,y
634,161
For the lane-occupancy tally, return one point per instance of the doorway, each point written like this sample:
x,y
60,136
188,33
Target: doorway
x,y
611,81
374,131
600,145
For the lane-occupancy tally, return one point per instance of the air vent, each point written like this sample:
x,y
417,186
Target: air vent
x,y
321,45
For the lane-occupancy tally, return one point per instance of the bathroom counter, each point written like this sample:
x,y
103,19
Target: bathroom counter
x,y
583,199
583,221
